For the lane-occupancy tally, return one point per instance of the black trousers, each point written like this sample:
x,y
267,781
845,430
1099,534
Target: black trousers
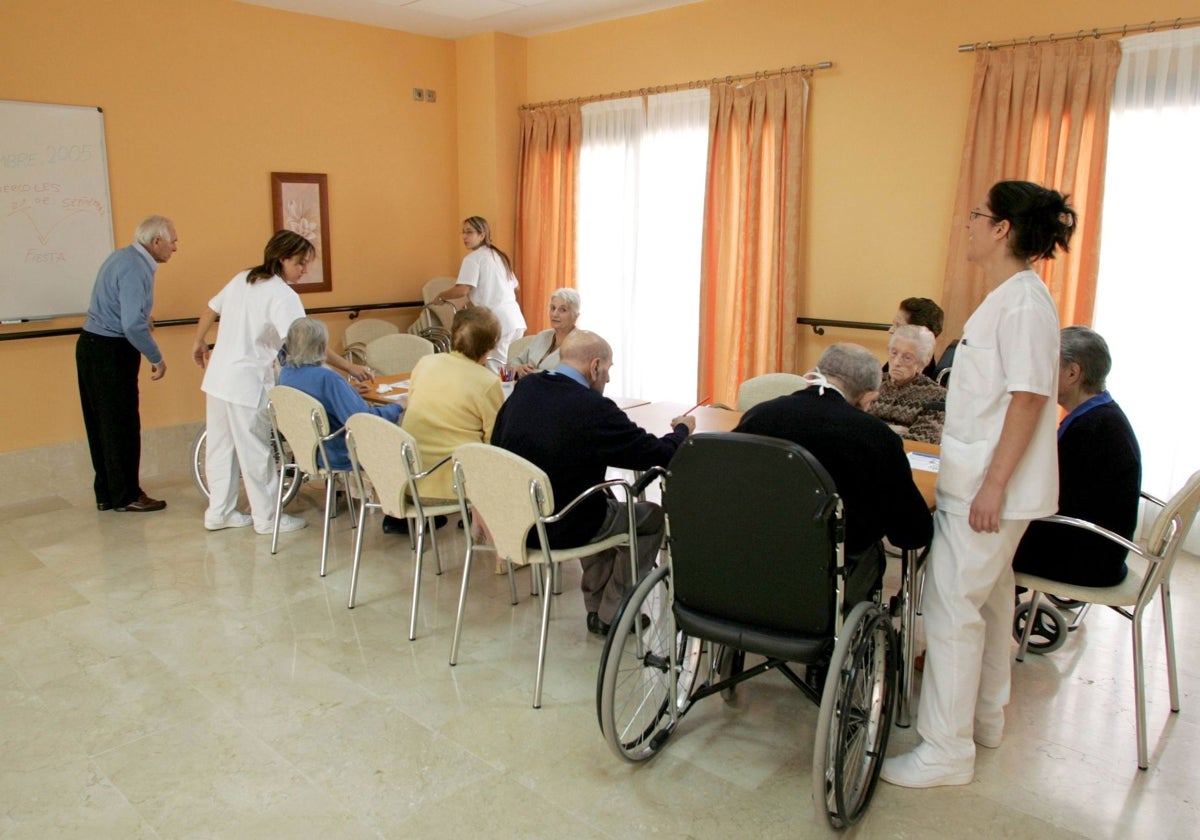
x,y
108,390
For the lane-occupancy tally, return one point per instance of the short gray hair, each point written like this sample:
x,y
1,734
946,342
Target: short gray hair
x,y
853,366
570,297
307,340
922,337
151,228
1088,349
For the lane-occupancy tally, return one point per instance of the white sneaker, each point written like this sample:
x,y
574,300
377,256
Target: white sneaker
x,y
912,771
233,520
287,522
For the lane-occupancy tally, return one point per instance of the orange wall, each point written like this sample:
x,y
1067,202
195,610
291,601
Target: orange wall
x,y
202,100
885,124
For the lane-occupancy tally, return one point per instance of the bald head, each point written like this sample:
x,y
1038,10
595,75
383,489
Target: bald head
x,y
589,354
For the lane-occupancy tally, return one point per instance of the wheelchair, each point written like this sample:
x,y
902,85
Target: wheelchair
x,y
755,565
293,479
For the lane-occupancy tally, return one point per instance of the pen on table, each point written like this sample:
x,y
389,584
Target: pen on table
x,y
697,405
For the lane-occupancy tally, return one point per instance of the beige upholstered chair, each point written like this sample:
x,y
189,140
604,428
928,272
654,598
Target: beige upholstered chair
x,y
436,286
398,353
302,421
1150,563
392,461
519,345
514,498
361,333
767,387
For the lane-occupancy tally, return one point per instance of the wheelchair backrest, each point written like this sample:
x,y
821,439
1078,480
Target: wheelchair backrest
x,y
753,532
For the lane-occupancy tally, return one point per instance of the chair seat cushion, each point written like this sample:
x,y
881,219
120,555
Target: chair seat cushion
x,y
752,639
1124,594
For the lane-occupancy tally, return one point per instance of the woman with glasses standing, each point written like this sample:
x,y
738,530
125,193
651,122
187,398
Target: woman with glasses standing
x,y
486,278
999,471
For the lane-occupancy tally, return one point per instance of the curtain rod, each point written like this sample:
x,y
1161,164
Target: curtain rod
x,y
698,83
1122,30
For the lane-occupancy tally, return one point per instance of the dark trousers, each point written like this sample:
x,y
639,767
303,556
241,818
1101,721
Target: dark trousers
x,y
108,390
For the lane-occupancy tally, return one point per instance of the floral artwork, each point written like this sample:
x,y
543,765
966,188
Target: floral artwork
x,y
301,204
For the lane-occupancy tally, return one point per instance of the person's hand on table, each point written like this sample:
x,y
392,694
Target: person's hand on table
x,y
523,370
685,420
985,508
360,373
363,388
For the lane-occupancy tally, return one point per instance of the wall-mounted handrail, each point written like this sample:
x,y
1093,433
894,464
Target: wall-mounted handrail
x,y
818,325
184,322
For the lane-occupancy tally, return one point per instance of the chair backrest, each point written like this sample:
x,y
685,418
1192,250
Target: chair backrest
x,y
515,349
753,532
941,372
390,457
767,387
509,492
436,286
1174,521
362,332
398,353
302,420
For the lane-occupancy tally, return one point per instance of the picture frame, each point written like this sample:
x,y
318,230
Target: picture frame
x,y
300,202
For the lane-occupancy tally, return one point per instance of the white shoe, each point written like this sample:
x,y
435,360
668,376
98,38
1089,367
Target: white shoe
x,y
911,771
233,520
287,522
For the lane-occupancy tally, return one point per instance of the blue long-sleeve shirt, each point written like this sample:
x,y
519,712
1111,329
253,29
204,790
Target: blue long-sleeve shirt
x,y
122,299
340,401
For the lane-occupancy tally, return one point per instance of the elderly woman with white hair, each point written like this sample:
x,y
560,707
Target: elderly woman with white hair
x,y
909,401
543,352
307,341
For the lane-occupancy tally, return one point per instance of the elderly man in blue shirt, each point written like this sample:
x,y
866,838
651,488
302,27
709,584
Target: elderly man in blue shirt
x,y
108,355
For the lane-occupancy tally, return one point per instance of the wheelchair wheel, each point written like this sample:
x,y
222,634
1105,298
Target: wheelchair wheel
x,y
856,715
634,685
291,486
1049,628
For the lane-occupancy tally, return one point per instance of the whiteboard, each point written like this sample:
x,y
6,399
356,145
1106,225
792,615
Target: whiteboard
x,y
55,212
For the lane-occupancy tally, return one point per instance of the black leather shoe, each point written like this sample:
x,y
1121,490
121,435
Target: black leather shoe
x,y
595,625
143,504
103,506
395,525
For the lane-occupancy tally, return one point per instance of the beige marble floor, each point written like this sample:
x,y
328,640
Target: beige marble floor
x,y
159,681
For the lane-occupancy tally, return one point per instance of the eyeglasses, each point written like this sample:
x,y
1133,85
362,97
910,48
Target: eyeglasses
x,y
975,214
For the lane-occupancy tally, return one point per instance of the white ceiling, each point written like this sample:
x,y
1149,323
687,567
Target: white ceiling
x,y
461,18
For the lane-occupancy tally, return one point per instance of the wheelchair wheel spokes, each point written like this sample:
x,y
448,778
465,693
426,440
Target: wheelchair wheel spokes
x,y
856,715
635,677
292,479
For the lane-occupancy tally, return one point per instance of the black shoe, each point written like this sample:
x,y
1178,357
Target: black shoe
x,y
395,525
142,504
103,506
595,625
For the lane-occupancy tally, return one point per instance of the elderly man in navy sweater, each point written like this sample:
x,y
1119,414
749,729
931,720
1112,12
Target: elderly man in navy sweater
x,y
561,421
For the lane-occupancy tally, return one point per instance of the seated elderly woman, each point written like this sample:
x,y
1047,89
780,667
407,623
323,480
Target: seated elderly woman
x,y
454,398
909,401
307,339
542,352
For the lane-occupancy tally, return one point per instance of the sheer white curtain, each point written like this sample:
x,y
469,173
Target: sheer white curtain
x,y
640,218
1148,291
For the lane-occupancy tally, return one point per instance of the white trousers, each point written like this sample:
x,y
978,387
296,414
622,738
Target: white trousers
x,y
968,607
498,358
239,435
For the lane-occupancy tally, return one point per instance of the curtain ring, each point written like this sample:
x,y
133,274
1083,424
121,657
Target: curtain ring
x,y
1096,34
989,46
1150,26
1079,35
1177,20
1124,29
1031,41
1050,37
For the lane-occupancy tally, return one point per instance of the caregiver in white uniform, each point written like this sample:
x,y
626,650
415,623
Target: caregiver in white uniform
x,y
256,308
486,278
999,470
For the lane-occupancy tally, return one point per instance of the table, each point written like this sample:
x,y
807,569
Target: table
x,y
394,397
656,417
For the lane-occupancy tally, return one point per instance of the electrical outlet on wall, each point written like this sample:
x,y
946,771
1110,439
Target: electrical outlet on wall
x,y
430,95
419,94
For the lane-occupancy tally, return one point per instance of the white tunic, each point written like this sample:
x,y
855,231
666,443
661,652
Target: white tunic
x,y
1009,344
494,287
254,321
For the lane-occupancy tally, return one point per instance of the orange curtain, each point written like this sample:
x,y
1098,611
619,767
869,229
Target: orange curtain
x,y
1038,113
750,271
547,179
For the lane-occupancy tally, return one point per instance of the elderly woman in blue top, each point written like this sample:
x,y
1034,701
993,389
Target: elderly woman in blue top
x,y
305,371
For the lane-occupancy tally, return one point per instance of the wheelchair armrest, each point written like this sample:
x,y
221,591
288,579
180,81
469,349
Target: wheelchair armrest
x,y
646,479
596,488
1128,545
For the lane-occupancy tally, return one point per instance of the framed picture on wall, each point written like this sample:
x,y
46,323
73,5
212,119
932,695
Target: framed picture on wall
x,y
300,201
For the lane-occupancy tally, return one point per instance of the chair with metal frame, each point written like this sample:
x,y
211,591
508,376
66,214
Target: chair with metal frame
x,y
392,354
766,577
1151,560
362,332
392,461
768,386
304,423
515,498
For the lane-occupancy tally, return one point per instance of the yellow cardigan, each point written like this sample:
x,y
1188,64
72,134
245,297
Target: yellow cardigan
x,y
452,401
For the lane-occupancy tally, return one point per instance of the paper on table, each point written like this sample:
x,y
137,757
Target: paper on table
x,y
385,387
924,462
